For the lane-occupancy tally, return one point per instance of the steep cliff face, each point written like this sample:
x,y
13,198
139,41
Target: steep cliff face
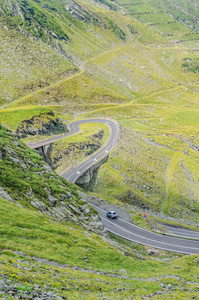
x,y
27,180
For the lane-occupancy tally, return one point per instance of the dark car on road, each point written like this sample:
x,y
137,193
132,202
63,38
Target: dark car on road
x,y
111,214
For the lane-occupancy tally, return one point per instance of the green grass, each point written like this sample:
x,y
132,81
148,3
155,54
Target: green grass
x,y
36,235
27,66
163,12
82,40
81,89
31,16
13,117
33,233
30,64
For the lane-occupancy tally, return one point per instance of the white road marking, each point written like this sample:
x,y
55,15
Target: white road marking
x,y
145,237
133,225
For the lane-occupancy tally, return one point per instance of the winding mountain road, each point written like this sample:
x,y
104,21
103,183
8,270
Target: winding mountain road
x,y
75,171
183,243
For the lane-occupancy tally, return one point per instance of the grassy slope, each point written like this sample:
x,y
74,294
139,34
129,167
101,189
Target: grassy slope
x,y
66,245
76,262
168,115
142,158
34,177
27,65
148,69
151,164
76,91
14,116
31,60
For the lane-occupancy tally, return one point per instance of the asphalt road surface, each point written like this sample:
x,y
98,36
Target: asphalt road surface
x,y
182,232
118,226
142,236
75,171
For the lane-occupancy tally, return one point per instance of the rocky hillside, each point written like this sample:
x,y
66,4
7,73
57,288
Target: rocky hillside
x,y
30,182
43,124
44,42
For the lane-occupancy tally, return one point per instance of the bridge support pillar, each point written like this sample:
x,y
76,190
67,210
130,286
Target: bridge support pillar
x,y
86,177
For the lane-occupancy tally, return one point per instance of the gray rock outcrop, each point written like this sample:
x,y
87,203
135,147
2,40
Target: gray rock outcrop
x,y
43,124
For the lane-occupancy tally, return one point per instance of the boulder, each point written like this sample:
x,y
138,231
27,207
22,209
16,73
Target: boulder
x,y
152,252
